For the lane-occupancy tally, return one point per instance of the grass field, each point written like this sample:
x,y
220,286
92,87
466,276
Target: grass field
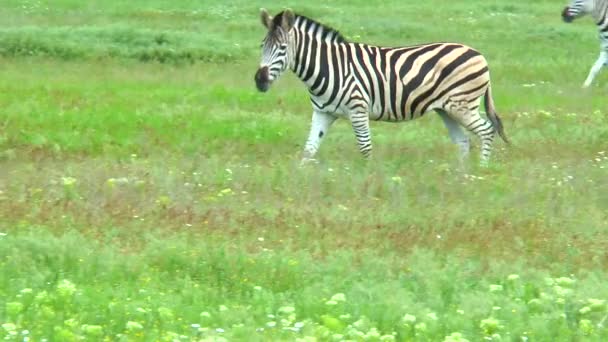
x,y
148,192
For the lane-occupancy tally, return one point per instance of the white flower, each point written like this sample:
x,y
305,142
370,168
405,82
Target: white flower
x,y
432,316
495,288
339,297
287,309
409,319
134,326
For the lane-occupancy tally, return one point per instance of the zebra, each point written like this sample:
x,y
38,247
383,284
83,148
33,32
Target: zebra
x,y
598,9
360,82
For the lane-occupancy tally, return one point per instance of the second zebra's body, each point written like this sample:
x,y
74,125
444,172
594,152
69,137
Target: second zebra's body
x,y
598,9
360,82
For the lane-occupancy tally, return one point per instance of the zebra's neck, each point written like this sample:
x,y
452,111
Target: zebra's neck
x,y
313,43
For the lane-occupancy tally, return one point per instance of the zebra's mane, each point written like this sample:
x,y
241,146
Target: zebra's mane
x,y
325,30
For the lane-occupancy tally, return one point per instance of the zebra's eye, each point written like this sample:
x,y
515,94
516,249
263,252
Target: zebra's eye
x,y
283,46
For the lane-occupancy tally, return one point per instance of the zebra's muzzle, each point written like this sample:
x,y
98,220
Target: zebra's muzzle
x,y
262,79
566,15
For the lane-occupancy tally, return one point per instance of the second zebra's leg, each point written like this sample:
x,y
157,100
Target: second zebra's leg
x,y
472,121
457,135
360,123
601,61
318,129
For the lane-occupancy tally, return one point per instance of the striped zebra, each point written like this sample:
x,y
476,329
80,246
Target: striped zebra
x,y
598,9
360,82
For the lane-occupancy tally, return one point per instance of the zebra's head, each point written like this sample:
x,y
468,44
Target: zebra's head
x,y
577,8
276,47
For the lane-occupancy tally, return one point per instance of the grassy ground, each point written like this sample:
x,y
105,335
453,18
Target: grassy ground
x,y
148,192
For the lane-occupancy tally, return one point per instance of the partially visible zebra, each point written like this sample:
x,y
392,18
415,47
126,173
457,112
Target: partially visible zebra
x,y
598,9
359,81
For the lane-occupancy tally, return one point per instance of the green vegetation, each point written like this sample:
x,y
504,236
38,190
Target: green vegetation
x,y
148,192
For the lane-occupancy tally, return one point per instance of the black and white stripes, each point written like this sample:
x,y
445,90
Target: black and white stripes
x,y
360,82
598,9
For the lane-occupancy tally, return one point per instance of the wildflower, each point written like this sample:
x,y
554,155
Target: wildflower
x,y
220,330
226,191
455,337
166,314
362,324
26,291
92,330
432,316
596,304
565,281
68,181
337,337
66,288
372,334
387,338
561,291
495,288
513,277
409,319
339,297
586,326
396,179
490,325
134,326
345,317
271,324
584,310
287,309
420,327
72,323
8,327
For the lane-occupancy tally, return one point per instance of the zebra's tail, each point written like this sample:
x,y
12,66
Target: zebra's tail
x,y
491,113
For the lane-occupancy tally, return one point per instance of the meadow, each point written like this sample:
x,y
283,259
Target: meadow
x,y
148,192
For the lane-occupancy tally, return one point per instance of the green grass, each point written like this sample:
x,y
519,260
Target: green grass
x,y
148,192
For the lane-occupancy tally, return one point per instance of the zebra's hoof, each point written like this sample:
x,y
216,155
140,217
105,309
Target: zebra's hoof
x,y
308,161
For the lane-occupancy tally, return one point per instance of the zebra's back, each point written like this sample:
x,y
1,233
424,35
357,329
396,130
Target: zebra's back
x,y
403,83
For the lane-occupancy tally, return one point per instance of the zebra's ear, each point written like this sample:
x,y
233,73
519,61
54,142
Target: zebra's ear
x,y
266,18
288,19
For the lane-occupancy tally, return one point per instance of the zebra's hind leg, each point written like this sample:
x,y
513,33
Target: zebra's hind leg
x,y
457,135
468,116
601,61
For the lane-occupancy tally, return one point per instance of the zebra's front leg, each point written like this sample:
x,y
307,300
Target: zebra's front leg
x,y
595,69
318,129
360,123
